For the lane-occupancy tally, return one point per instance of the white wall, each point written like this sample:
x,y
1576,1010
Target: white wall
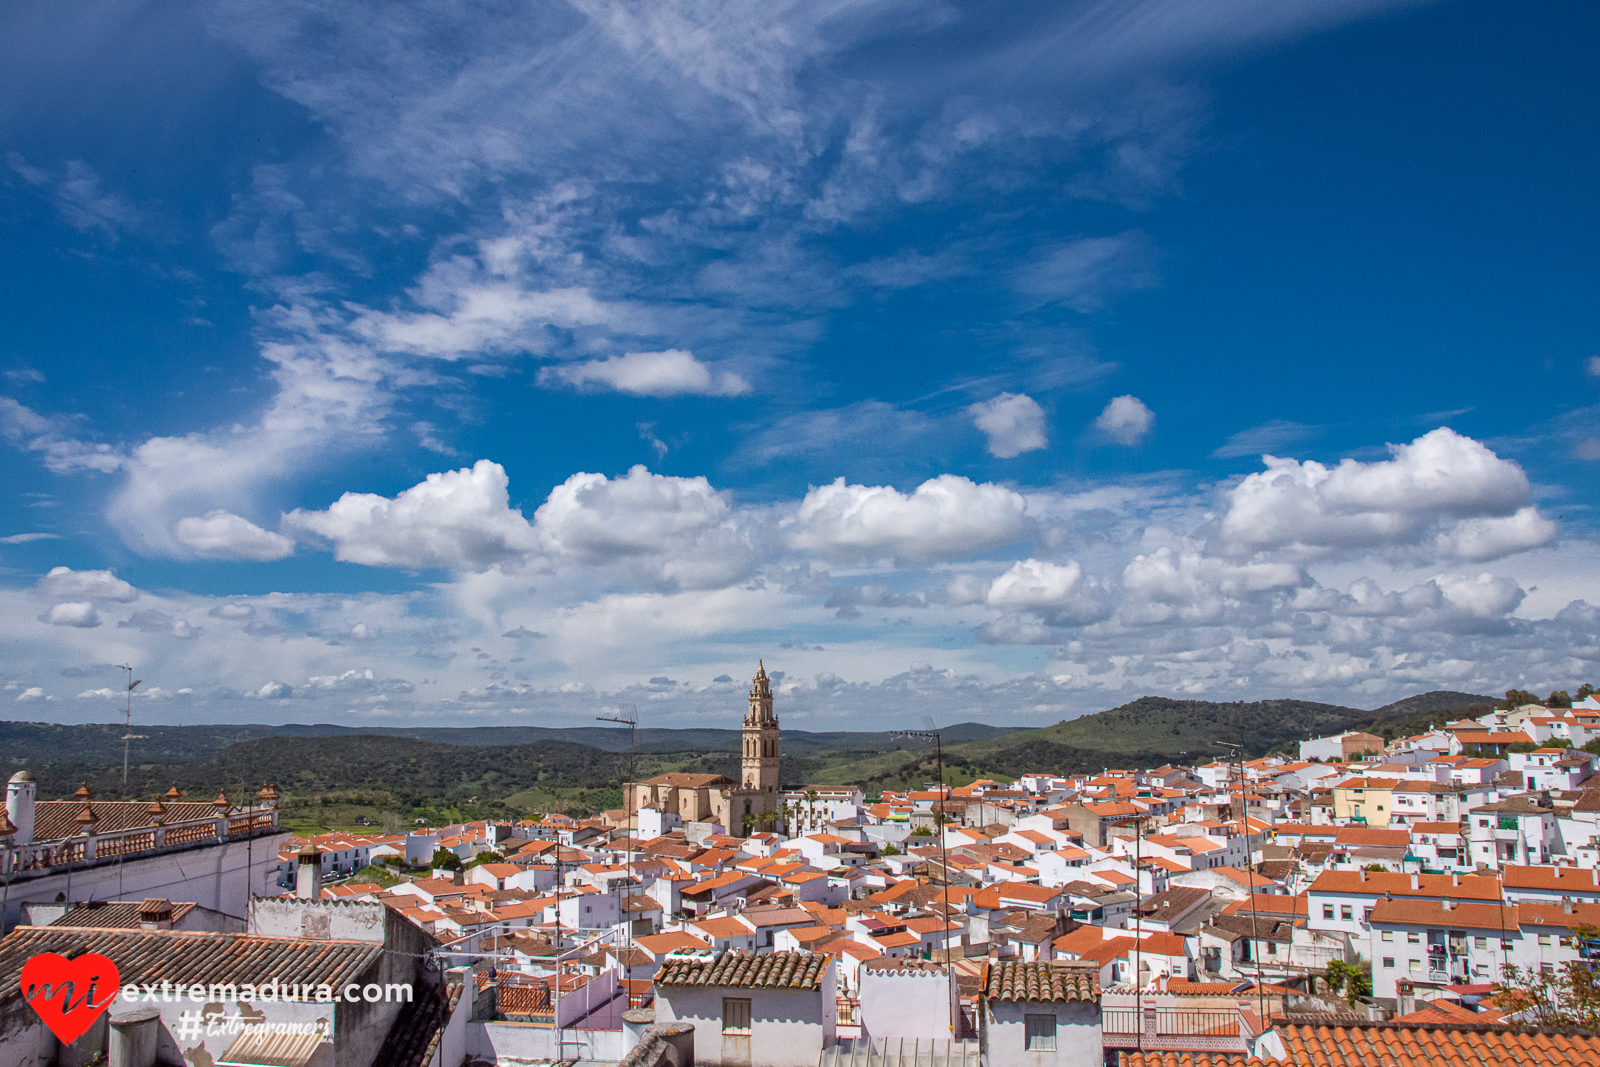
x,y
1078,1039
905,1004
214,876
787,1027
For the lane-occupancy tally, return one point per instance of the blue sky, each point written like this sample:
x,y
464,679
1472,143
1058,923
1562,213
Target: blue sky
x,y
417,364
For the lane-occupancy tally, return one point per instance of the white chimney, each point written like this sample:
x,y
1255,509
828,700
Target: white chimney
x,y
20,794
308,873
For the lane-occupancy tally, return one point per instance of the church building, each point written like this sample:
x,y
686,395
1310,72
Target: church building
x,y
741,808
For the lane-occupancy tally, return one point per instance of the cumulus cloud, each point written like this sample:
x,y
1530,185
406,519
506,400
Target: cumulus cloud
x,y
460,518
948,517
1013,422
64,583
1441,475
1125,420
1479,540
661,530
273,691
79,613
673,372
678,530
222,535
31,693
1185,584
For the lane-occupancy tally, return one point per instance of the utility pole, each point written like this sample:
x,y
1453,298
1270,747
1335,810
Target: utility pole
x,y
128,735
944,860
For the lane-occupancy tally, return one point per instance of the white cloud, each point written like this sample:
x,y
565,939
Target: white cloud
x,y
64,583
1395,501
63,452
273,691
73,613
948,517
31,693
460,518
78,197
1125,420
151,621
1030,584
1014,423
223,535
676,530
1188,586
673,372
25,538
1478,540
100,694
1083,274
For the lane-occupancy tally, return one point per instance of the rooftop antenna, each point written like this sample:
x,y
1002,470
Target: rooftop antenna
x,y
930,734
1235,755
630,719
128,734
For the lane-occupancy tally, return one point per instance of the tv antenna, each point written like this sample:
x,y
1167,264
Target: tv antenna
x,y
630,719
128,734
939,815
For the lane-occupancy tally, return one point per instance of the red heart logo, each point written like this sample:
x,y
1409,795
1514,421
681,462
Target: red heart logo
x,y
70,995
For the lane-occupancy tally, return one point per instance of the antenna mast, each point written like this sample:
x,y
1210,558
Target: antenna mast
x,y
128,735
631,721
939,815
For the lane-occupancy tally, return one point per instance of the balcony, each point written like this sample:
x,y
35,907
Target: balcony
x,y
1175,1030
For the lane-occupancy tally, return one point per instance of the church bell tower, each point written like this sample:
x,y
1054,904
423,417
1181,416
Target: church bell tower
x,y
759,767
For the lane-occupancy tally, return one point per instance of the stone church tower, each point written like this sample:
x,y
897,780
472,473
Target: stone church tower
x,y
759,768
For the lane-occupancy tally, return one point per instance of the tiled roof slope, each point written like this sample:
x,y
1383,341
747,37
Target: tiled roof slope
x,y
1041,981
748,970
190,957
1400,1046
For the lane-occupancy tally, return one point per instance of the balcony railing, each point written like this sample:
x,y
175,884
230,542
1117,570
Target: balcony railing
x,y
1174,1030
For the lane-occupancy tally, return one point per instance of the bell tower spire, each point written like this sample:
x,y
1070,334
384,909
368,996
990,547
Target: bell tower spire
x,y
759,766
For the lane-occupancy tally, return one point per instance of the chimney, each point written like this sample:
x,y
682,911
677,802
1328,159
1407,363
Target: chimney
x,y
1363,874
308,873
1566,906
1416,880
155,914
1558,872
1449,905
20,793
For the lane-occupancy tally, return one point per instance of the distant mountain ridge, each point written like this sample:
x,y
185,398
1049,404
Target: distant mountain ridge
x,y
502,761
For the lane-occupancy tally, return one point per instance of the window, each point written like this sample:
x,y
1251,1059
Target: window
x,y
736,1015
1388,961
1544,940
1344,911
1413,938
1041,1031
1547,968
1327,911
1272,948
1506,946
1416,967
1388,935
1480,942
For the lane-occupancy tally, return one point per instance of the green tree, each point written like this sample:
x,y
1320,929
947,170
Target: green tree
x,y
445,860
1559,699
1515,698
1567,996
1354,980
1585,691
